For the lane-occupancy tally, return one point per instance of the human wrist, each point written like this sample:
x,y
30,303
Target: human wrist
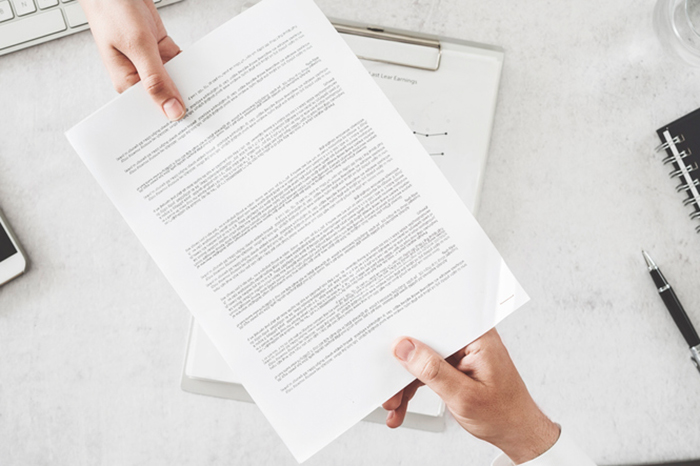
x,y
530,439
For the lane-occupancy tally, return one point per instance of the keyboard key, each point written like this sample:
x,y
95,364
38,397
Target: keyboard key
x,y
43,4
24,7
76,16
31,28
5,11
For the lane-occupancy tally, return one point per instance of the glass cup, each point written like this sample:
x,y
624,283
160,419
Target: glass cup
x,y
677,25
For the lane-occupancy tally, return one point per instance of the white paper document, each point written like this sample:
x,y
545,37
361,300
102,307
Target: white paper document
x,y
298,218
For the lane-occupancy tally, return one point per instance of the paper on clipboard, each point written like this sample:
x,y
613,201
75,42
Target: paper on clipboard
x,y
449,108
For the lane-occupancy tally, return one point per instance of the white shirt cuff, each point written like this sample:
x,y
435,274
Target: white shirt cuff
x,y
564,451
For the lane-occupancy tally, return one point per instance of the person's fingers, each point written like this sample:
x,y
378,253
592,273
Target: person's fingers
x,y
121,71
168,49
456,358
483,356
393,402
431,369
396,416
149,64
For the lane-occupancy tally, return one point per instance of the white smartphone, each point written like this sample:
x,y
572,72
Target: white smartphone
x,y
12,261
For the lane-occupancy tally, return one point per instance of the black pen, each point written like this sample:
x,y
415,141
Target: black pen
x,y
676,310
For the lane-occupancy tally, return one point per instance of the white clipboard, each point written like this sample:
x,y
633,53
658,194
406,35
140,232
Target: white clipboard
x,y
446,91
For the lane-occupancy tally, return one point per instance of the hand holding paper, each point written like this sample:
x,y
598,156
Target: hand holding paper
x,y
134,46
484,392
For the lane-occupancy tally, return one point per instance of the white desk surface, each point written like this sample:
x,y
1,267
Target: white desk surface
x,y
92,338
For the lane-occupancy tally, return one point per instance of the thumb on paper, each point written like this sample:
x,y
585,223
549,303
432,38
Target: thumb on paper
x,y
430,368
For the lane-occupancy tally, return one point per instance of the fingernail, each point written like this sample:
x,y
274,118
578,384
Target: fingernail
x,y
173,109
391,415
404,350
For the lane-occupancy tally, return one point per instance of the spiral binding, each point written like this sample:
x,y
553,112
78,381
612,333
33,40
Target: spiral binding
x,y
686,187
691,183
683,169
665,145
671,158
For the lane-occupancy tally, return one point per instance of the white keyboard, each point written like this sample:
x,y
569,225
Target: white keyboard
x,y
24,23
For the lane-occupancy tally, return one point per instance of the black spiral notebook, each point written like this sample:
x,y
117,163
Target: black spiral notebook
x,y
680,141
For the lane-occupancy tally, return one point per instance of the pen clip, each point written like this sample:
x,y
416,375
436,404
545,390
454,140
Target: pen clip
x,y
695,356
